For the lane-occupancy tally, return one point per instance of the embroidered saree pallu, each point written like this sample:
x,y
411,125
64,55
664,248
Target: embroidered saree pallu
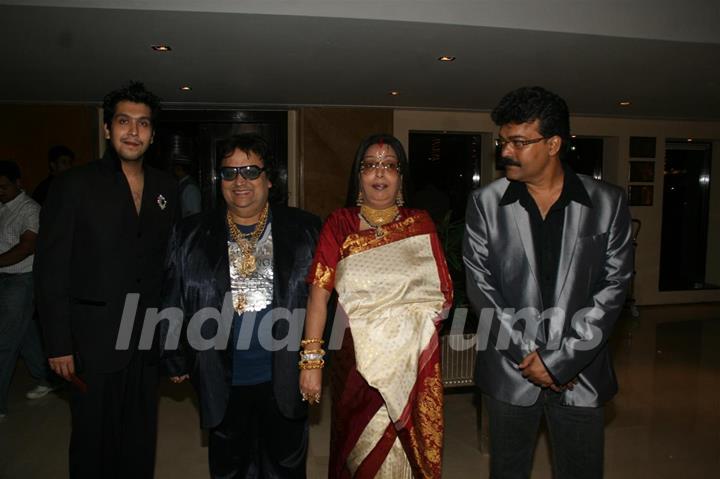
x,y
393,290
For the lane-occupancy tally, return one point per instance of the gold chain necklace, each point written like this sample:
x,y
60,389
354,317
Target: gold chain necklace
x,y
378,218
245,263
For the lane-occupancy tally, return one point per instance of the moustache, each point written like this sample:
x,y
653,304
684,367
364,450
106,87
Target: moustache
x,y
509,162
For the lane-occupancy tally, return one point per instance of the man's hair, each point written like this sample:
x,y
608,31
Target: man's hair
x,y
387,139
58,151
134,92
10,170
250,143
528,104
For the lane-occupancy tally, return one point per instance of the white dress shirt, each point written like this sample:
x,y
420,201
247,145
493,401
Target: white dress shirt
x,y
17,216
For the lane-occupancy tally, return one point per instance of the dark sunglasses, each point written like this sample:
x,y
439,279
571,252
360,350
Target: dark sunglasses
x,y
250,172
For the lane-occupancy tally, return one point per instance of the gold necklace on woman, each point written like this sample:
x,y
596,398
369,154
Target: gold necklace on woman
x,y
376,219
245,262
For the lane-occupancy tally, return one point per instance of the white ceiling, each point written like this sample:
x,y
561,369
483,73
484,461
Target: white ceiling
x,y
663,55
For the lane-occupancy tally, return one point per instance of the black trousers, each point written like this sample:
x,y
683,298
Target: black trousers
x,y
255,441
576,433
114,423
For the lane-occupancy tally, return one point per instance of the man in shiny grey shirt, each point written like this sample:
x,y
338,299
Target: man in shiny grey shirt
x,y
548,255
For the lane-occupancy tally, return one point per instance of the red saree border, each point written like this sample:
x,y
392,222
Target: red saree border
x,y
421,426
354,403
365,240
373,462
324,277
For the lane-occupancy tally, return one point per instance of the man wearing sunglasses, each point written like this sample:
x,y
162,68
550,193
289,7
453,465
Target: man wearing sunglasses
x,y
548,254
251,258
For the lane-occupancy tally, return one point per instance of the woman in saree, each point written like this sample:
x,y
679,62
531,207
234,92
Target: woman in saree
x,y
386,263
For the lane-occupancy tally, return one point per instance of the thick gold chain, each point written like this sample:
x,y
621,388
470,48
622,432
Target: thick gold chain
x,y
246,264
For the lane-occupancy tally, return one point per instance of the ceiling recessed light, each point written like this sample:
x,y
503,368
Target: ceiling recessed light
x,y
625,103
394,93
689,139
573,136
161,48
446,58
186,88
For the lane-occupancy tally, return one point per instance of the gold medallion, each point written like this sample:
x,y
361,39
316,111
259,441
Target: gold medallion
x,y
246,263
240,303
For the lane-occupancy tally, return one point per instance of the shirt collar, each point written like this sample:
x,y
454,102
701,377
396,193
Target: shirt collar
x,y
573,190
15,203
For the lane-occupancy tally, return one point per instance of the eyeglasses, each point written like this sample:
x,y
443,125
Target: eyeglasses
x,y
517,144
367,167
249,172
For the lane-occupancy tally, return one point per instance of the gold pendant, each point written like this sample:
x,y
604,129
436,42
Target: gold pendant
x,y
240,303
379,232
248,265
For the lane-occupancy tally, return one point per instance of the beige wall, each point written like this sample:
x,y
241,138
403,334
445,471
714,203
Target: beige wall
x,y
617,133
28,131
293,158
328,140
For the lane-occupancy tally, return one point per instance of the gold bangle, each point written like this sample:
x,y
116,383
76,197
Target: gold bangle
x,y
312,351
311,364
305,362
305,342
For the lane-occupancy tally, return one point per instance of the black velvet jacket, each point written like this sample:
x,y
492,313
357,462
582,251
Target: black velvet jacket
x,y
92,250
197,276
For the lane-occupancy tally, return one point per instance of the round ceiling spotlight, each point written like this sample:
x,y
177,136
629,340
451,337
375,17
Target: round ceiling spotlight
x,y
446,58
161,48
625,103
393,93
185,88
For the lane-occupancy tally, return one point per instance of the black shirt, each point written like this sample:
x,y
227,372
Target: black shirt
x,y
548,233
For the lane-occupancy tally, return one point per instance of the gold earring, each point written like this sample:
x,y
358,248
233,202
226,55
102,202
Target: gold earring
x,y
399,200
360,198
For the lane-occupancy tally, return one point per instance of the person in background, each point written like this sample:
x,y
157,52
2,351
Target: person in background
x,y
188,189
60,158
387,265
18,332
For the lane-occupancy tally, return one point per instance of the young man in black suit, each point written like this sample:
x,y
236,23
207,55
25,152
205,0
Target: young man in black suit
x,y
102,237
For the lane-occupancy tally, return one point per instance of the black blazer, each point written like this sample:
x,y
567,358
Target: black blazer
x,y
198,276
92,250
